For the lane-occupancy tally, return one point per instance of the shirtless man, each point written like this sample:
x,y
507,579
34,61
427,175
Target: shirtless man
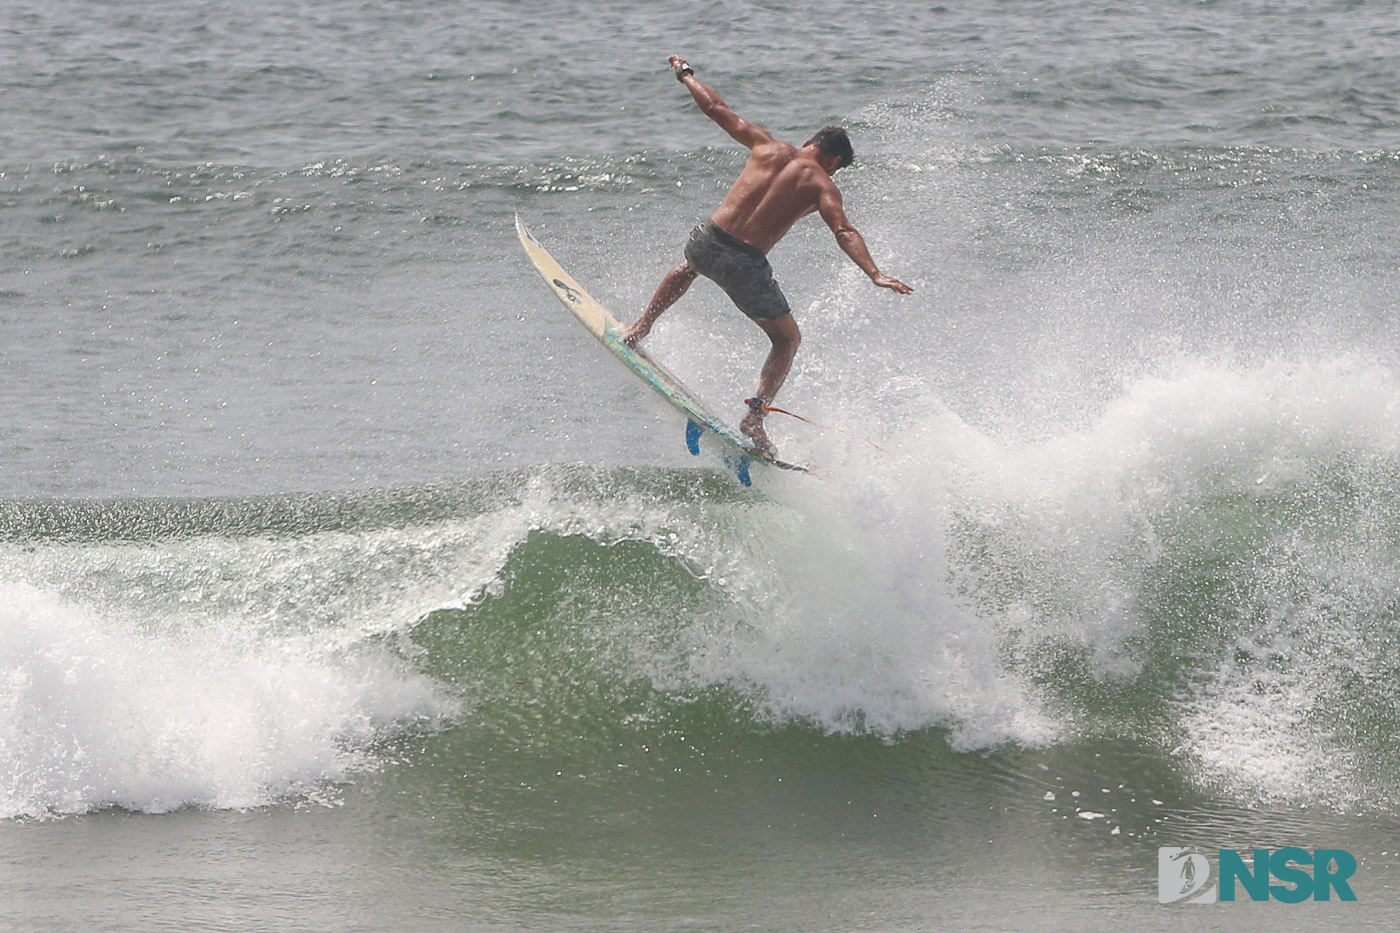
x,y
781,184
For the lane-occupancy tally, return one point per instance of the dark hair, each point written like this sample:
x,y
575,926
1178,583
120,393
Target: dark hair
x,y
833,140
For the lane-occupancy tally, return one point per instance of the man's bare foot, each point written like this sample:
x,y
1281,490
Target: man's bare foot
x,y
633,335
752,428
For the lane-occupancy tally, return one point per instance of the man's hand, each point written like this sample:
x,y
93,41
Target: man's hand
x,y
680,66
885,281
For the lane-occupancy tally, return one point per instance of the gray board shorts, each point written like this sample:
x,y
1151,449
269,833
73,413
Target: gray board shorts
x,y
738,268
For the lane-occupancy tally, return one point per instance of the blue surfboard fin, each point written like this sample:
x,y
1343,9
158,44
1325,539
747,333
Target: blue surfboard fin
x,y
692,437
741,470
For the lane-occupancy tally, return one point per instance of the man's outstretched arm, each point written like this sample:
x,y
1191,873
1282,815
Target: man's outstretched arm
x,y
852,243
714,107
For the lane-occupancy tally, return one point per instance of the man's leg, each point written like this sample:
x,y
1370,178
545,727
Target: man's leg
x,y
672,287
786,339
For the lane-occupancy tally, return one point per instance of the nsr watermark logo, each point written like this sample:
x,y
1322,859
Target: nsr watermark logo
x,y
1184,875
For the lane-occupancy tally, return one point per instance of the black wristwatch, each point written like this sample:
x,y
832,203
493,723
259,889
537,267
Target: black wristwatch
x,y
684,70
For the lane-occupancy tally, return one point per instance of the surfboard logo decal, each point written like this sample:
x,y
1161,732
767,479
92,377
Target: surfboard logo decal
x,y
568,292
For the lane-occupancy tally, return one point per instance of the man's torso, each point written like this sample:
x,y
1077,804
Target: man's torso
x,y
777,187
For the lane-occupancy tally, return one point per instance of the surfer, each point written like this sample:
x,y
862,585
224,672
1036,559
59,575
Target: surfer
x,y
781,184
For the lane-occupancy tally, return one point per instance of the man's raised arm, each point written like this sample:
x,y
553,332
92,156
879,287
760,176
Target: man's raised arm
x,y
750,134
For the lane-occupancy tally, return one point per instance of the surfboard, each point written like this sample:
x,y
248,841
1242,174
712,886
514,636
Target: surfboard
x,y
737,450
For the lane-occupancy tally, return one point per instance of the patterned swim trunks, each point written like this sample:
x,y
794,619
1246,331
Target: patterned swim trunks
x,y
738,268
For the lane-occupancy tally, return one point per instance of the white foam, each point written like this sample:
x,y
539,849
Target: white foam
x,y
95,713
848,617
885,598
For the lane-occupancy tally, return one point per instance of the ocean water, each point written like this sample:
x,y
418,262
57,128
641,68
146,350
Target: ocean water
x,y
347,584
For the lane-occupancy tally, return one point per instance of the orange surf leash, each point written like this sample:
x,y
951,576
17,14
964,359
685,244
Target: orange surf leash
x,y
820,427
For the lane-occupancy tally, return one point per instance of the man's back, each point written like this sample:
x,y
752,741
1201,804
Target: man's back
x,y
779,186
